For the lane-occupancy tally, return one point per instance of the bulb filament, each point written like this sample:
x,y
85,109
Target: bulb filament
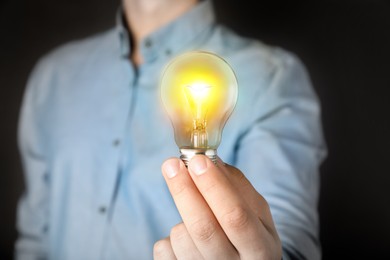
x,y
196,95
199,134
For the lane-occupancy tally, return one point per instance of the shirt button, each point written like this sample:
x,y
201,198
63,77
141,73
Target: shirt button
x,y
148,43
168,52
116,142
102,210
45,229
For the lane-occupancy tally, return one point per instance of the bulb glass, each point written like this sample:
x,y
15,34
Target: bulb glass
x,y
199,91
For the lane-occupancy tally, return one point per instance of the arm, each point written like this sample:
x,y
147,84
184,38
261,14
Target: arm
x,y
281,152
32,211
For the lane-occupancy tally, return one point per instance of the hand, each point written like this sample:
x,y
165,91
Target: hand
x,y
224,217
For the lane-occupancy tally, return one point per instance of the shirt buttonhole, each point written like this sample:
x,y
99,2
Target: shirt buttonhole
x,y
148,43
102,210
116,142
45,229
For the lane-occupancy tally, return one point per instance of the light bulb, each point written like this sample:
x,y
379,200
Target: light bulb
x,y
199,91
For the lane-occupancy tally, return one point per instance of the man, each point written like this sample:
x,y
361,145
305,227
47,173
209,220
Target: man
x,y
93,137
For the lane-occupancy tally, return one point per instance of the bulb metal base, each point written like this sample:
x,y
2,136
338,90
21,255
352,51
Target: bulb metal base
x,y
188,153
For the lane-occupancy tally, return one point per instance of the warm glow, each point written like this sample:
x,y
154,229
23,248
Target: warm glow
x,y
199,91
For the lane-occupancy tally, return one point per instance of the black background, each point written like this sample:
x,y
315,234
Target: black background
x,y
345,46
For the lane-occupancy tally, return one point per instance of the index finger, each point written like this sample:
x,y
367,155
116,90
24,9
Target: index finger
x,y
241,224
199,220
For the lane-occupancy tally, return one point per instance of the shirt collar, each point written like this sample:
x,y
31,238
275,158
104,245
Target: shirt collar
x,y
171,38
124,38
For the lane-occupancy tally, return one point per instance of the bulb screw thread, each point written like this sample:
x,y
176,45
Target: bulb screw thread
x,y
188,153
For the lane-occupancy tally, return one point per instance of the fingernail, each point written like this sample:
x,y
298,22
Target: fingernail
x,y
198,165
171,167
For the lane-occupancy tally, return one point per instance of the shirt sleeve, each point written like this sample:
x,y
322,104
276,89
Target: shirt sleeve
x,y
281,151
32,210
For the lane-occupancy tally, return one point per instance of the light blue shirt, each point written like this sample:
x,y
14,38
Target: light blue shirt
x,y
93,135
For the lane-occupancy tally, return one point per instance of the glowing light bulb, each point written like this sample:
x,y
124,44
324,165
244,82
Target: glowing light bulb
x,y
199,91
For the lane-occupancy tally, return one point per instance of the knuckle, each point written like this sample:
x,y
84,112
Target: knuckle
x,y
233,170
178,232
211,185
243,181
178,189
203,229
263,204
266,206
236,219
160,248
